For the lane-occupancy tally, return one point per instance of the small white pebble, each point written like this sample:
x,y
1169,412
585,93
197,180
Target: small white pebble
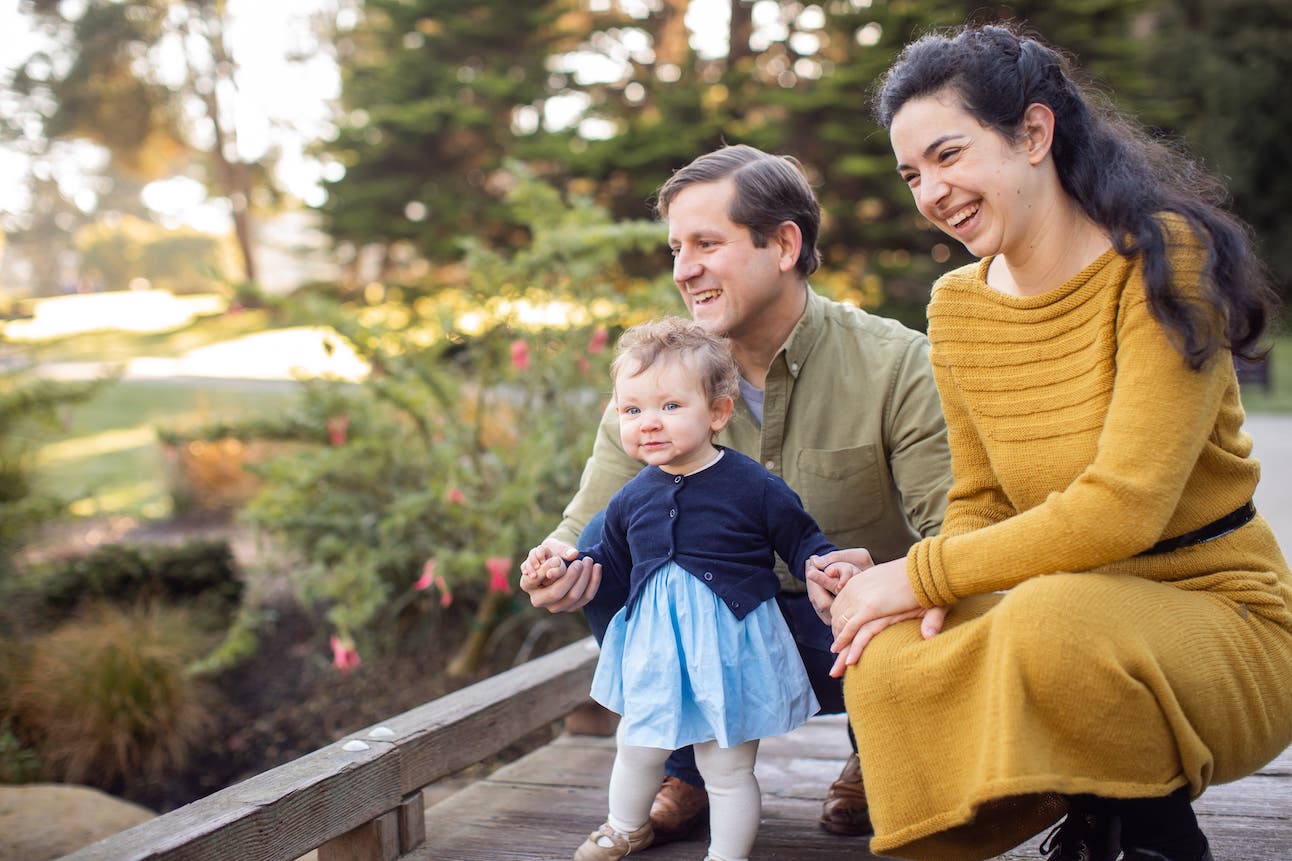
x,y
382,732
354,745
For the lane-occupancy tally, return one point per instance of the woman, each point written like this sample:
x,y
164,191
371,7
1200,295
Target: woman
x,y
1117,629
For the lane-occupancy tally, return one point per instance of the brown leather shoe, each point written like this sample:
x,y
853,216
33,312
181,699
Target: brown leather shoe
x,y
679,809
845,810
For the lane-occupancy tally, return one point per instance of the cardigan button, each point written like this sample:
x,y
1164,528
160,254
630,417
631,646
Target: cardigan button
x,y
672,512
708,575
735,605
677,479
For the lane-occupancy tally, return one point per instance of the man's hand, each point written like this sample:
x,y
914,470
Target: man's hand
x,y
551,588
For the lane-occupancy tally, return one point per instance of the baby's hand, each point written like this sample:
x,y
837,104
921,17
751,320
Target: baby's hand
x,y
841,573
551,570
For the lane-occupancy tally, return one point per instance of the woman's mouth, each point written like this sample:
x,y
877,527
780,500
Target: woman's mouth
x,y
962,215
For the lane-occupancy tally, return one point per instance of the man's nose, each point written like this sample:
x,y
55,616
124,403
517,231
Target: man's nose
x,y
684,267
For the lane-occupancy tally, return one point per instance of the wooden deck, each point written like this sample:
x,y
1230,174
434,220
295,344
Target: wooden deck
x,y
542,806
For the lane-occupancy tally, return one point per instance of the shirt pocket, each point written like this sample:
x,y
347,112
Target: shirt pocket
x,y
843,489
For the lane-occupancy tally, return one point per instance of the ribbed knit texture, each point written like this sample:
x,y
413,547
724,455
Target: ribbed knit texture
x,y
1079,438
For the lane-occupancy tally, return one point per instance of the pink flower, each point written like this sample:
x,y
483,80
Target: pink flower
x,y
584,366
446,597
428,576
499,574
455,496
600,338
338,428
520,354
344,655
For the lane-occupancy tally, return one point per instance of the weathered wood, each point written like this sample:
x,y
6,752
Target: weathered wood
x,y
377,840
412,823
544,804
286,812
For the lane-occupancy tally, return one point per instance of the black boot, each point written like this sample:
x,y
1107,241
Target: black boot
x,y
1162,829
1087,833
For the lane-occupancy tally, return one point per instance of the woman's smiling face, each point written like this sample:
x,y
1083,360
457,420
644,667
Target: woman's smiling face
x,y
969,180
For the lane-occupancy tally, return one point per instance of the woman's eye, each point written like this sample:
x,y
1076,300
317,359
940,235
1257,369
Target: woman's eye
x,y
948,154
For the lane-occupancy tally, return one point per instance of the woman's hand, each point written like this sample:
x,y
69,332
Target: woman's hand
x,y
827,574
867,604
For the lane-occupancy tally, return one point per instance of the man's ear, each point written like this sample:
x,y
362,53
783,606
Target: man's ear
x,y
720,410
788,240
1038,132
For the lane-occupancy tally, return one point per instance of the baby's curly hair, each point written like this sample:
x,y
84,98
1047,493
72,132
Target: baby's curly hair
x,y
708,355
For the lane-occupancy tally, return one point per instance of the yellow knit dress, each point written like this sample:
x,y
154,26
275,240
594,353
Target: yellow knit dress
x,y
1069,663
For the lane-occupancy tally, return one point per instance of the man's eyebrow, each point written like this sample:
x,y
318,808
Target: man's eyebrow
x,y
928,150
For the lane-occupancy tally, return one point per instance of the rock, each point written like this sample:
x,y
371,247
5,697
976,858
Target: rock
x,y
40,821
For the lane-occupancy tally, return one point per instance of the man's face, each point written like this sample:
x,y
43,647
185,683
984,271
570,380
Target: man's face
x,y
727,283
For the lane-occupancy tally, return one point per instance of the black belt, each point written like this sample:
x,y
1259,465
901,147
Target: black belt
x,y
1212,530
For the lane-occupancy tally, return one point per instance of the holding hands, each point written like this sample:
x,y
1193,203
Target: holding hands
x,y
556,579
858,599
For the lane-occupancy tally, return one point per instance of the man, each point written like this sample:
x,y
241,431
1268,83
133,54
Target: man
x,y
838,402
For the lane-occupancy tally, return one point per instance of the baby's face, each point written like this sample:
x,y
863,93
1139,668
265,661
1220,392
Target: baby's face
x,y
665,418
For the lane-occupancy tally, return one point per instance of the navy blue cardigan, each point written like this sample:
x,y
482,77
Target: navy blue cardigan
x,y
721,524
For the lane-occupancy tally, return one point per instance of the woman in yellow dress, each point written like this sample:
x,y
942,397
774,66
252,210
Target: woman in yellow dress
x,y
1103,626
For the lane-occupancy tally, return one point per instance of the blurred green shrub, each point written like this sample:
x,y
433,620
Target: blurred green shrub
x,y
459,452
200,574
115,253
107,695
28,408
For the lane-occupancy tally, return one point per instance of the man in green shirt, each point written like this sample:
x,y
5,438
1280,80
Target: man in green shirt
x,y
838,402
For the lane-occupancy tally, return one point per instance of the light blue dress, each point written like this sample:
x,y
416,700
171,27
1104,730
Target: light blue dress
x,y
684,669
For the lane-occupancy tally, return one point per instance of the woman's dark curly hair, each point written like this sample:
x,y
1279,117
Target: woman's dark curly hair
x,y
1123,179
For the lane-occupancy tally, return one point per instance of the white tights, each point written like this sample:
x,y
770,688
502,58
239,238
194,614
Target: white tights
x,y
735,802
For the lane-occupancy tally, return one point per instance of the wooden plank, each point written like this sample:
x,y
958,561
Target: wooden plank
x,y
412,823
377,840
458,730
549,800
303,804
282,813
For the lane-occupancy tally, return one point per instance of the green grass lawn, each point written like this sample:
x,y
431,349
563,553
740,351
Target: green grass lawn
x,y
108,459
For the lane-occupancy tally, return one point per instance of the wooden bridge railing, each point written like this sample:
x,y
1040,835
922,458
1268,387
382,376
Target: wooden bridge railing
x,y
360,799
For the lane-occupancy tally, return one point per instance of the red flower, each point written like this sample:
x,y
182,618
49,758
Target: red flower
x,y
344,655
428,576
446,597
600,338
584,366
455,496
337,429
499,574
520,354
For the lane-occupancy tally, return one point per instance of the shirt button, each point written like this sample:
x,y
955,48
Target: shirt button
x,y
708,575
771,464
735,605
672,512
794,368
